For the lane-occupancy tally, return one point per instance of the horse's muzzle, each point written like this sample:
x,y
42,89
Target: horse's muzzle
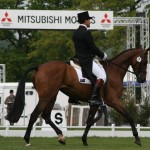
x,y
141,78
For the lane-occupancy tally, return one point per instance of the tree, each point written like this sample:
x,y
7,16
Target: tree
x,y
50,4
18,39
144,113
53,45
50,45
32,46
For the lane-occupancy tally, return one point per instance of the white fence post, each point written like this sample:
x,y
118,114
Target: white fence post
x,y
7,129
34,130
138,128
113,130
80,116
71,116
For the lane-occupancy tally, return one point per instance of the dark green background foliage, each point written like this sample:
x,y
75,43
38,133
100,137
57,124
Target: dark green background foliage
x,y
140,113
20,49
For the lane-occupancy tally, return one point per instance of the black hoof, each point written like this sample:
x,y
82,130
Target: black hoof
x,y
84,142
62,142
26,141
138,142
61,139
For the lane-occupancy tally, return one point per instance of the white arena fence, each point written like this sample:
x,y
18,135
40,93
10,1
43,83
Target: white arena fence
x,y
74,131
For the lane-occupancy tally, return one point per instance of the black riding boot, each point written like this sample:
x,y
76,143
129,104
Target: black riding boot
x,y
95,98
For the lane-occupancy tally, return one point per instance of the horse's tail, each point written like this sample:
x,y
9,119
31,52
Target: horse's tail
x,y
19,103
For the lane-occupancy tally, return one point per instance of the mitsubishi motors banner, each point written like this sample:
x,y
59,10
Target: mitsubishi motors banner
x,y
52,19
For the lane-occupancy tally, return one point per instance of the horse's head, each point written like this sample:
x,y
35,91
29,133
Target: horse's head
x,y
139,65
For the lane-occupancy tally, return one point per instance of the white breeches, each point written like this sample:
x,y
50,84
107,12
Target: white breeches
x,y
98,71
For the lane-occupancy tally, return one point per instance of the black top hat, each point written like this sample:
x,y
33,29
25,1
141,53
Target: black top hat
x,y
83,15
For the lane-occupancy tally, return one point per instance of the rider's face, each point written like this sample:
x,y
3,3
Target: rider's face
x,y
87,22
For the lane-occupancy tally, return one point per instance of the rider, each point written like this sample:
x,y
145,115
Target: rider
x,y
85,51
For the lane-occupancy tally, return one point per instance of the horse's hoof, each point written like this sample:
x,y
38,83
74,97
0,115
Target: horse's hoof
x,y
62,142
84,141
27,145
61,139
138,142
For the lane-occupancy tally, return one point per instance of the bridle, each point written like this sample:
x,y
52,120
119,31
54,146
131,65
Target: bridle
x,y
138,75
121,67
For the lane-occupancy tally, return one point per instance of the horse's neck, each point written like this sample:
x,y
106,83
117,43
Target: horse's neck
x,y
124,61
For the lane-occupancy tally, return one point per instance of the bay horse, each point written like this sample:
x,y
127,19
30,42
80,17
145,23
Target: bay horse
x,y
53,76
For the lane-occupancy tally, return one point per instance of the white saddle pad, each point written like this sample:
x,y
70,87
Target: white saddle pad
x,y
79,73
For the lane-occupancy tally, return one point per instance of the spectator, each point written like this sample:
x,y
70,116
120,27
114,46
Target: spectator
x,y
9,101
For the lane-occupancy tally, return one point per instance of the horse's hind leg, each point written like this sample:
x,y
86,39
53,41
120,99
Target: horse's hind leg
x,y
90,122
46,115
121,109
37,111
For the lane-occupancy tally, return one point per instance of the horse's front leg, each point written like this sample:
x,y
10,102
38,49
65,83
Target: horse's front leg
x,y
90,122
121,109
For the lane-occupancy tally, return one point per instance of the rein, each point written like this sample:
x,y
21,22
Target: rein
x,y
106,87
121,67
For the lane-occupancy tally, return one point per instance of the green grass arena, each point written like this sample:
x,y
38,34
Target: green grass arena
x,y
74,143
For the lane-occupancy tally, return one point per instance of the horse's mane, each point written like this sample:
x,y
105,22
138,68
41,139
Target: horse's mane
x,y
124,51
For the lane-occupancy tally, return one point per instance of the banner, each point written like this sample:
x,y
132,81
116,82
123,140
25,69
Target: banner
x,y
52,19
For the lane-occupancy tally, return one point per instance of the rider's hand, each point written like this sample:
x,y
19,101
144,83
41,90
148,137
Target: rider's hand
x,y
105,57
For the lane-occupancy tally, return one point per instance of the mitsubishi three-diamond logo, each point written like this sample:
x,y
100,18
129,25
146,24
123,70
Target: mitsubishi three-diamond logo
x,y
106,21
6,20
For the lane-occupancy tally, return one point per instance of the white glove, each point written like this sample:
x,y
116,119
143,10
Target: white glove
x,y
105,57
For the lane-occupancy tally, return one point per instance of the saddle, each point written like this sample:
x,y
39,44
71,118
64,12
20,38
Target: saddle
x,y
76,61
76,64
